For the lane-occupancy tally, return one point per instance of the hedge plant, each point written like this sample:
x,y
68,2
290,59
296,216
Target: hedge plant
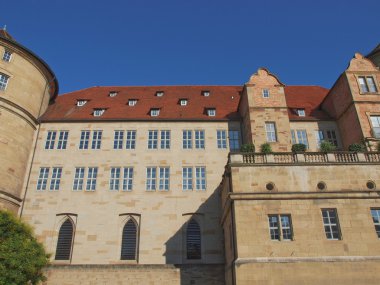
x,y
357,147
299,147
248,147
327,146
266,148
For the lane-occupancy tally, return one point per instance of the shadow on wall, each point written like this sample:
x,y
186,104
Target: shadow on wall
x,y
198,252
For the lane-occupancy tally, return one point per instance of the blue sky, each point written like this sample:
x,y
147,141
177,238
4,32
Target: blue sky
x,y
167,42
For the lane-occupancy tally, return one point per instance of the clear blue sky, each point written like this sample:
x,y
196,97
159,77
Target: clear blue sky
x,y
168,42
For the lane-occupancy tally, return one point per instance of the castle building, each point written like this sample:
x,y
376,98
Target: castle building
x,y
146,185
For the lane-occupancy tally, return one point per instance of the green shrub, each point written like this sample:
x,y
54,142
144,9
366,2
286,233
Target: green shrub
x,y
357,147
378,146
327,146
266,148
248,147
299,147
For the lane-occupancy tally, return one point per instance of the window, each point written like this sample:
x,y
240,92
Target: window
x,y
265,93
331,137
99,112
118,140
43,178
193,240
91,178
50,139
130,142
84,139
319,136
301,112
375,121
127,178
270,129
233,140
183,102
199,139
200,178
331,224
152,139
7,56
132,102
62,139
300,136
221,139
165,139
376,220
160,93
96,139
65,241
78,179
113,93
211,112
187,178
187,140
205,93
164,178
151,176
55,178
367,84
129,241
328,135
115,178
3,81
81,103
154,112
280,227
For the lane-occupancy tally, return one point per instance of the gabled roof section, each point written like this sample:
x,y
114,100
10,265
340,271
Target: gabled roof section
x,y
224,98
309,98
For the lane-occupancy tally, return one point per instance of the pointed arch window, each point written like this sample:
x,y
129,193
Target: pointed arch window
x,y
65,241
193,240
129,241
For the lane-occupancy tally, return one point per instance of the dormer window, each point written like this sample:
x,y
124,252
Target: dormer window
x,y
211,112
301,112
132,102
265,93
205,93
81,102
113,94
154,112
183,102
7,56
99,112
160,93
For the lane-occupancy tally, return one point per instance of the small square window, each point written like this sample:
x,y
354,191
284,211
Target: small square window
x,y
160,93
211,112
206,93
113,94
7,56
154,112
301,112
183,102
265,93
98,112
81,103
132,102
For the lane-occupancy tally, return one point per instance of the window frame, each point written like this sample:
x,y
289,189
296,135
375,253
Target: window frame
x,y
271,135
233,137
4,80
7,55
152,139
376,223
365,83
277,232
55,180
187,178
221,139
187,139
151,179
199,139
329,225
43,177
266,93
118,139
62,139
50,139
79,178
130,139
375,130
92,175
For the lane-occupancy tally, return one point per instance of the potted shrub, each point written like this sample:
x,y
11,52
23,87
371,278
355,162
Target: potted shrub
x,y
266,148
248,147
357,147
299,147
327,146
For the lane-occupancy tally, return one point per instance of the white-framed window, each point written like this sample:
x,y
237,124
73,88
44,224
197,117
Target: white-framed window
x,y
154,112
367,84
3,81
78,179
99,112
151,177
113,94
81,102
164,178
56,178
128,179
234,140
84,139
280,227
319,135
50,139
165,139
43,178
187,139
375,213
265,93
130,139
205,93
199,139
270,128
115,178
152,139
375,122
331,224
200,178
160,93
183,102
96,139
221,139
211,112
187,178
132,102
301,112
118,139
300,136
92,174
326,135
62,139
7,56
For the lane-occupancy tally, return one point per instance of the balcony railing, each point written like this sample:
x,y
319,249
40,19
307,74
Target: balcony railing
x,y
343,157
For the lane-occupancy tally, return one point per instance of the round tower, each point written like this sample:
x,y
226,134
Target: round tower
x,y
27,85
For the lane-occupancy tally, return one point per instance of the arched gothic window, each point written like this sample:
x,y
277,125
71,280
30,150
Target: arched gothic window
x,y
65,241
193,240
129,241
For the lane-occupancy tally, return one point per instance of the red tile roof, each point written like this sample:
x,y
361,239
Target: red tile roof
x,y
225,99
308,98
